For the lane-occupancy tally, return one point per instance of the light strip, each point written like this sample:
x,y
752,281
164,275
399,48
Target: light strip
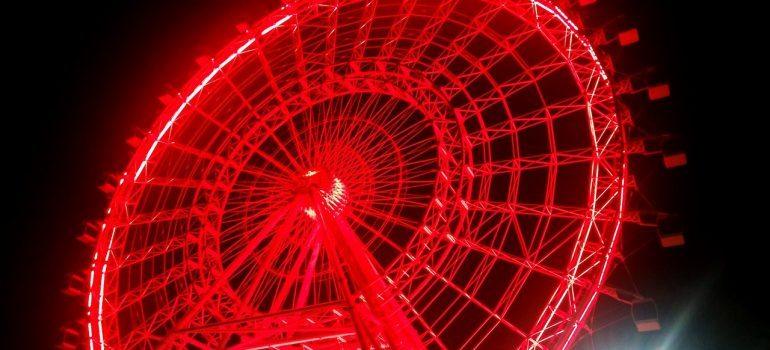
x,y
277,24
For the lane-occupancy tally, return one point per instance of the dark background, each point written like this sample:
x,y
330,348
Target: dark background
x,y
85,76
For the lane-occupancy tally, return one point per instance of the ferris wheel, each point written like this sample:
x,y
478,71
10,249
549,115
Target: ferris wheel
x,y
352,174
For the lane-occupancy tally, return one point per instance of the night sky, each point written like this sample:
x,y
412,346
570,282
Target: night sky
x,y
86,75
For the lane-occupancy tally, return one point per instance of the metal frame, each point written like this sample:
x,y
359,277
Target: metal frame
x,y
371,173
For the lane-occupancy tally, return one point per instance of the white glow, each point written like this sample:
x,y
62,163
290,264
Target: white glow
x,y
276,24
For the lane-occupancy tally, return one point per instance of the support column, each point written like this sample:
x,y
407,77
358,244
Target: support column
x,y
365,277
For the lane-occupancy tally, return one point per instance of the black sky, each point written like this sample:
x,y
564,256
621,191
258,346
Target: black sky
x,y
86,75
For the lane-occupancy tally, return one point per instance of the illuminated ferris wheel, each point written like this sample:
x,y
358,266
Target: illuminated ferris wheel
x,y
371,174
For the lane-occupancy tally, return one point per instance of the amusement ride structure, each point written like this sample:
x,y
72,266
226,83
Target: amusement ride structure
x,y
402,174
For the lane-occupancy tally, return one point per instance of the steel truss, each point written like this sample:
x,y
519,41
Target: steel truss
x,y
371,173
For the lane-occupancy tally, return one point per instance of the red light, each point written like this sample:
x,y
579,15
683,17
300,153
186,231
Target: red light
x,y
675,160
658,92
628,37
339,175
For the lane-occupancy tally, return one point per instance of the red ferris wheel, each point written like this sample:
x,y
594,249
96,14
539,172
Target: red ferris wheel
x,y
371,174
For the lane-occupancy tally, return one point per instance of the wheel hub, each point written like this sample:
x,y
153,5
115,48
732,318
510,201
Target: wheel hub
x,y
319,190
